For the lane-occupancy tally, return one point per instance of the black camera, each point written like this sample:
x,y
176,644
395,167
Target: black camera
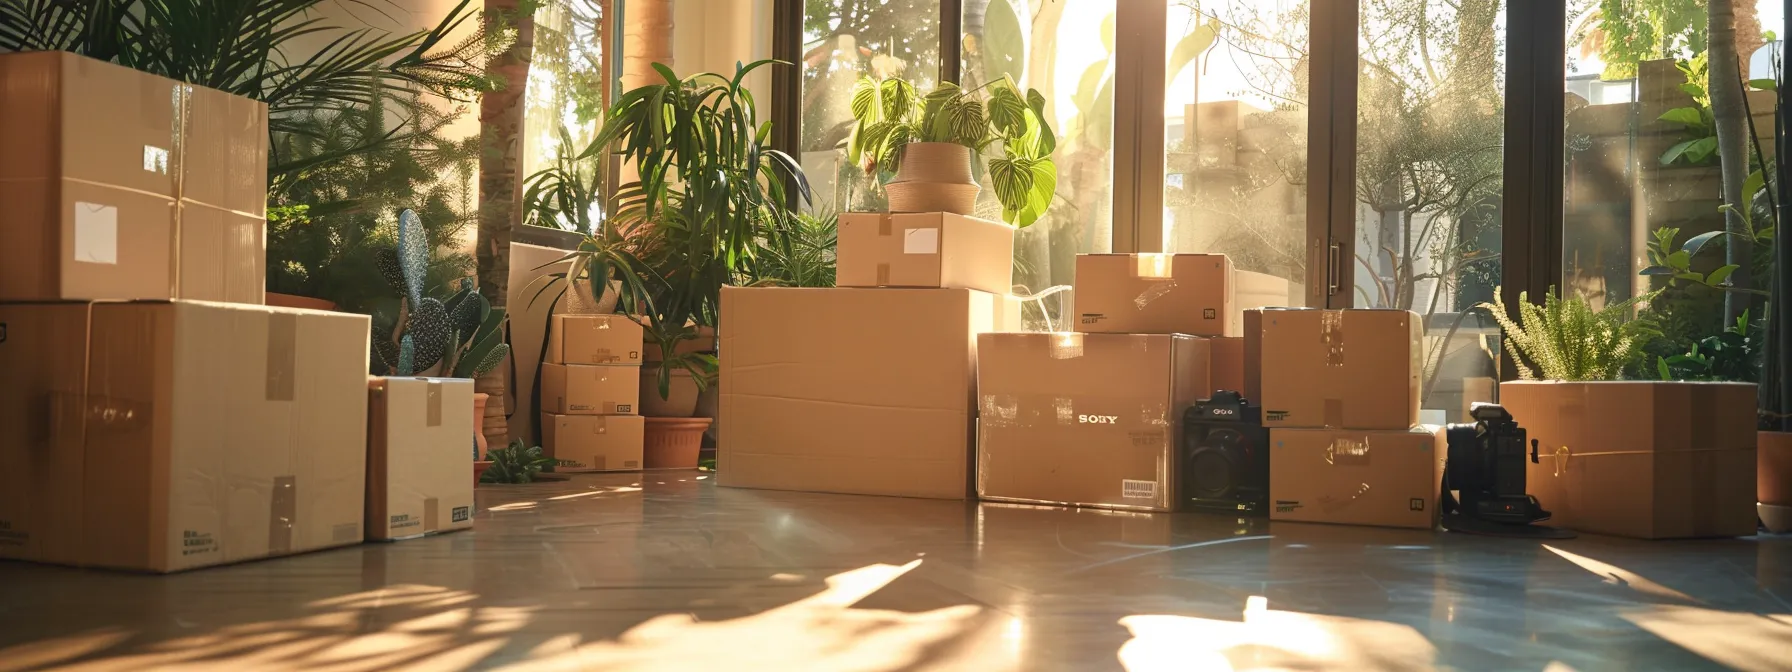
x,y
1225,456
1486,465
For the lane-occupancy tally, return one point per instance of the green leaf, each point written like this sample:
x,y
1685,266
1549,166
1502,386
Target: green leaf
x,y
1012,179
1685,116
866,107
1722,274
1007,111
1696,243
1189,48
1661,367
1693,90
1679,260
1675,152
1004,43
1700,150
1656,270
1039,198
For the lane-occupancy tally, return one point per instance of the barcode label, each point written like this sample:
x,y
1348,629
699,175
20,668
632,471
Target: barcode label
x,y
1131,489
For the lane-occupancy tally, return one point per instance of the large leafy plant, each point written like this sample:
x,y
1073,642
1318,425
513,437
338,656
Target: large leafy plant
x,y
1565,339
803,256
1730,355
461,336
995,119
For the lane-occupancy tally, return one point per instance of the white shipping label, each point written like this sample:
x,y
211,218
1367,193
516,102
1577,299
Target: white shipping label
x,y
96,233
155,159
920,241
1132,489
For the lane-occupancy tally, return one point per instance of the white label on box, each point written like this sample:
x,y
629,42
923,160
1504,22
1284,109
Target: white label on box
x,y
96,233
920,241
1132,489
155,159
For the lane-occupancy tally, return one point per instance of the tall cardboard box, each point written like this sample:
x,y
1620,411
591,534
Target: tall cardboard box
x,y
1644,459
576,389
594,442
1085,419
1341,369
124,185
1156,294
594,339
1387,478
205,433
419,468
927,249
856,391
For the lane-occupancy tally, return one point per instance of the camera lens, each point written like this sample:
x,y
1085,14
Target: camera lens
x,y
1213,464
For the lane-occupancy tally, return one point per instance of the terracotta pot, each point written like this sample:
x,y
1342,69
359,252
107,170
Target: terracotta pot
x,y
680,403
495,427
673,443
1773,480
479,468
933,177
479,444
294,301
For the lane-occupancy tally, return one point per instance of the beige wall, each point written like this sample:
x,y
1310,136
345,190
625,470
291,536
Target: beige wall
x,y
711,35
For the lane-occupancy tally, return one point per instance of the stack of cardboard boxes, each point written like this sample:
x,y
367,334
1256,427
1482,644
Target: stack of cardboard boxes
x,y
591,393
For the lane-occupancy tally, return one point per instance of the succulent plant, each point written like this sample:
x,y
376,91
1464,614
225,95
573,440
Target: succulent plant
x,y
461,336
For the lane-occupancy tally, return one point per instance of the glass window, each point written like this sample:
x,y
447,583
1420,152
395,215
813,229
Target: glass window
x,y
1642,172
1235,116
1048,46
1429,156
568,80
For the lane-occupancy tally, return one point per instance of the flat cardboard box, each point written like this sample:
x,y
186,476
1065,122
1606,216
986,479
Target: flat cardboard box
x,y
1387,478
928,249
1651,460
594,442
596,389
193,434
1229,365
1085,419
855,391
104,167
1156,294
594,339
419,456
1339,369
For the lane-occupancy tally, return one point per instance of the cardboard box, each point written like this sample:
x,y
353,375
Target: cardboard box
x,y
930,249
1229,365
1085,419
124,185
594,442
594,339
419,461
578,389
1156,294
1388,478
151,435
856,391
1652,460
1340,369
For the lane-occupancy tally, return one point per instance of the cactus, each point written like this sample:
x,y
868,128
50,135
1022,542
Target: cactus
x,y
461,336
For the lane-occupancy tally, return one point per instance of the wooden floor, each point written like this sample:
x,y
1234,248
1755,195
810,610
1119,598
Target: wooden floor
x,y
665,571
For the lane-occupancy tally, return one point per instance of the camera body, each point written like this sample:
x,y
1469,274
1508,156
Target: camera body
x,y
1225,456
1486,465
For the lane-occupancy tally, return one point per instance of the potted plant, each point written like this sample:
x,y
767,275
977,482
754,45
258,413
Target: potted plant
x,y
929,140
569,196
1640,458
461,336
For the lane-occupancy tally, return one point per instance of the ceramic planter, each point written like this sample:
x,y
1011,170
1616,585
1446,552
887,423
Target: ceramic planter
x,y
673,443
1773,480
680,403
933,177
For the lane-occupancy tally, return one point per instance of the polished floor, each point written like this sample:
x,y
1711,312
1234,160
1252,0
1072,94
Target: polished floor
x,y
665,571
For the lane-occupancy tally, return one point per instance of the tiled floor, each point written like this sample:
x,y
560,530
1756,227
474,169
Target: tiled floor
x,y
665,571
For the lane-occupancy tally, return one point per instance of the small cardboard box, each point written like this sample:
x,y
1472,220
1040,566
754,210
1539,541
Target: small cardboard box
x,y
1156,294
1651,460
579,389
1085,419
855,391
1388,478
930,249
1340,369
594,339
185,434
594,442
419,461
124,185
1228,365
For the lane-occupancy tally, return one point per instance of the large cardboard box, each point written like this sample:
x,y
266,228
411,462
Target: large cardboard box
x,y
419,462
189,433
594,339
594,442
1388,478
930,249
1085,419
578,389
1341,369
857,391
1156,294
1652,460
1229,365
123,185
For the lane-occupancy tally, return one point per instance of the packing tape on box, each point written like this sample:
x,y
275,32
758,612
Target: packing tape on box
x,y
1331,334
283,352
282,510
883,275
600,424
1348,451
1033,410
432,395
431,509
885,224
1157,266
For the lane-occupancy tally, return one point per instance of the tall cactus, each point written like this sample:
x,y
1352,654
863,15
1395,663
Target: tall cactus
x,y
462,334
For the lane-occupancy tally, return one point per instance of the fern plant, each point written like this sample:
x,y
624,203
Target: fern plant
x,y
891,114
1565,339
